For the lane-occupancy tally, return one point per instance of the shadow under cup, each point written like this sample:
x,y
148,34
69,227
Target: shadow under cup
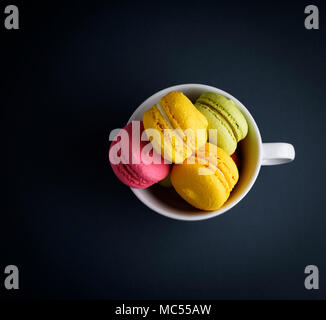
x,y
166,201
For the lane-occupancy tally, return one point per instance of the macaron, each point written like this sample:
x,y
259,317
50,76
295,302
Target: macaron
x,y
225,117
175,127
134,165
206,179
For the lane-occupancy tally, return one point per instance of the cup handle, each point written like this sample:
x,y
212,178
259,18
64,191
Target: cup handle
x,y
277,153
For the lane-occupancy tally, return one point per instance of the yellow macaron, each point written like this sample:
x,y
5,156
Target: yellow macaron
x,y
175,127
206,179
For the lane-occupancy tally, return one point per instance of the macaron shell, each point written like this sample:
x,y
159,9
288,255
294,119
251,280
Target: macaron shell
x,y
229,110
181,112
204,192
223,135
207,181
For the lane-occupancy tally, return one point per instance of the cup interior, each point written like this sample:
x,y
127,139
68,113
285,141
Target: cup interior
x,y
166,201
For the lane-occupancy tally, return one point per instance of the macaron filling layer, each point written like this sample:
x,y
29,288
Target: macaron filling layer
x,y
164,115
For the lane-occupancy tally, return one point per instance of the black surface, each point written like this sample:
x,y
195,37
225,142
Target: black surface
x,y
74,72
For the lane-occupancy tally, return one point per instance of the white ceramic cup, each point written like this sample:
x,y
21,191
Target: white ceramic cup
x,y
253,152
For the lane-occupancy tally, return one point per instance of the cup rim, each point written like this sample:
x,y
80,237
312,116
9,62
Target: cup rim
x,y
209,214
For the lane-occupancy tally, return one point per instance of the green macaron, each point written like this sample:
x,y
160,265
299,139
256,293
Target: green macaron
x,y
223,115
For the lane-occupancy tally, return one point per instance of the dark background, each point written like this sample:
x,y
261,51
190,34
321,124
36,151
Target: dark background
x,y
76,70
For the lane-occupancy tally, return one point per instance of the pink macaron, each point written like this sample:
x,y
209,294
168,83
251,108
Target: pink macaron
x,y
134,161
